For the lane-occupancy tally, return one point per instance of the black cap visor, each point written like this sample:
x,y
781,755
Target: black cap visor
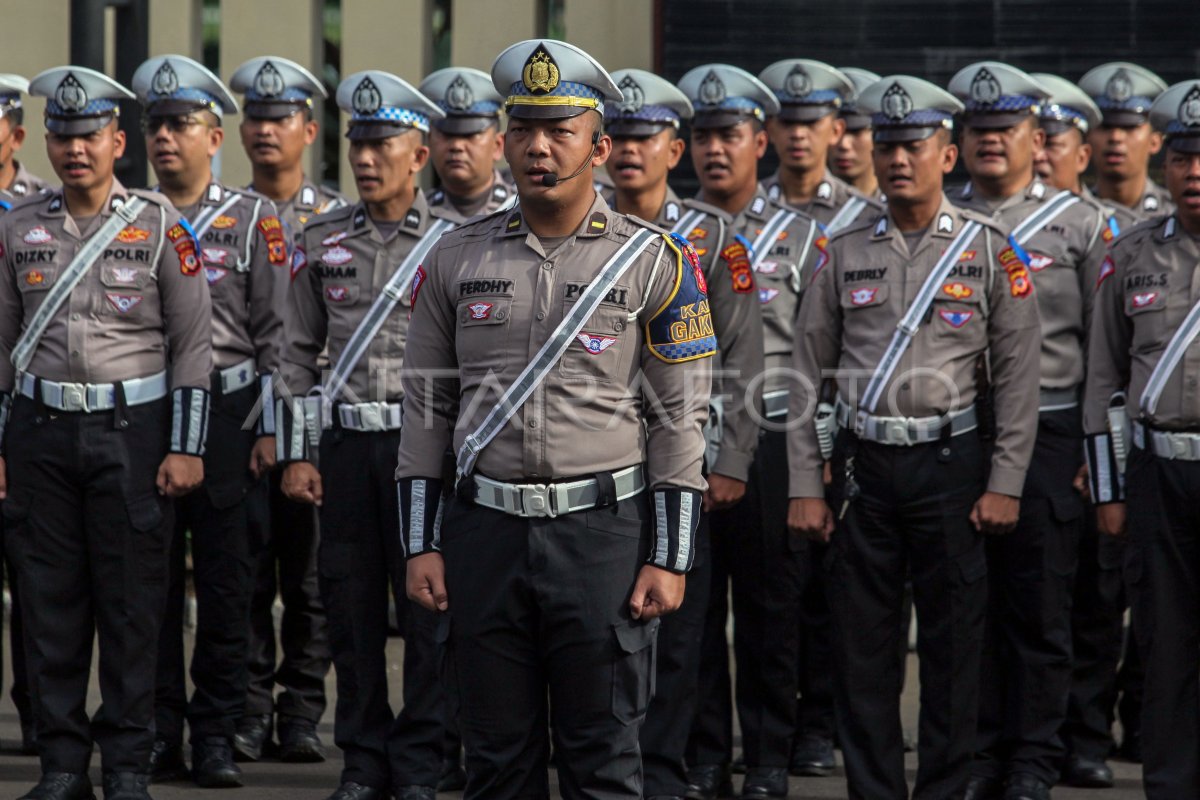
x,y
465,124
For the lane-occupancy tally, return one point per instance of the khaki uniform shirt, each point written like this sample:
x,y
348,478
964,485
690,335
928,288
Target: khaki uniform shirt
x,y
142,308
499,193
1064,262
340,266
245,258
1155,201
1147,287
832,194
24,184
491,296
780,277
986,306
312,199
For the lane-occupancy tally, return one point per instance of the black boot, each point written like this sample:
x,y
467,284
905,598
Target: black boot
x,y
212,763
166,762
61,786
356,791
709,782
298,741
126,786
253,735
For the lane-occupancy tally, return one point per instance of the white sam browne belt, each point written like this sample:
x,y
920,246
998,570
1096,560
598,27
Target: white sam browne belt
x,y
552,499
92,397
1172,445
906,431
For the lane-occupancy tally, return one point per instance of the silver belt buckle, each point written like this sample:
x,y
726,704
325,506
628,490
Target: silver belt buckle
x,y
897,431
535,500
369,417
1179,447
74,396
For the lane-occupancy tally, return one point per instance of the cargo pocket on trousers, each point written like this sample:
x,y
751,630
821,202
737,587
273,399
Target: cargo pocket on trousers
x,y
633,670
148,538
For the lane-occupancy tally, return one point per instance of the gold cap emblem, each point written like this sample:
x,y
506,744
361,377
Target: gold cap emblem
x,y
541,73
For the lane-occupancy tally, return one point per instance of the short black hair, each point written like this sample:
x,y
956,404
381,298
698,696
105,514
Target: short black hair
x,y
15,116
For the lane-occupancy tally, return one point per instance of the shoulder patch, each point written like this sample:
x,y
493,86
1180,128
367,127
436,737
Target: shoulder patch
x,y
1107,268
1018,275
682,329
272,230
737,259
822,246
183,238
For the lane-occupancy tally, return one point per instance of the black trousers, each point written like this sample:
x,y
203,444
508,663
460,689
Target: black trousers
x,y
1025,673
361,573
1106,659
911,520
225,517
677,674
16,637
710,740
539,636
89,535
1163,569
287,568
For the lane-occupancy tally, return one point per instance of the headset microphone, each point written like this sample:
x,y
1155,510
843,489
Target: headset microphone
x,y
552,179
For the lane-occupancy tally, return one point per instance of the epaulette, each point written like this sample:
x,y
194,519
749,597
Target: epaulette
x,y
983,219
1162,228
858,225
329,217
158,198
481,226
720,214
870,201
641,222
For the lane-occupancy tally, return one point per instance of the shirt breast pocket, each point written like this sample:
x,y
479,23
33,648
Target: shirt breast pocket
x,y
124,292
1146,309
36,280
601,349
482,331
957,313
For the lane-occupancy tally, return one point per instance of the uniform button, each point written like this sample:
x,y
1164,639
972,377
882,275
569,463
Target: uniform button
x,y
541,315
546,265
75,317
619,325
533,423
74,354
501,314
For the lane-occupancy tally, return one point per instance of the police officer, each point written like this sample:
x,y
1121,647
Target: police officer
x,y
778,247
466,143
279,123
912,300
1122,146
1124,141
811,95
1066,117
16,182
644,128
346,286
1142,344
104,359
243,256
552,562
1025,674
850,156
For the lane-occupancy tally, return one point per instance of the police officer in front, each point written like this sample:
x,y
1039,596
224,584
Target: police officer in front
x,y
1025,674
1141,399
778,247
904,311
538,338
811,94
16,182
1125,141
466,143
243,255
349,298
850,156
644,128
279,123
105,352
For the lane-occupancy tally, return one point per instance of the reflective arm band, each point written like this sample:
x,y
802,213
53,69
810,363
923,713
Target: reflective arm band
x,y
266,402
189,420
676,517
291,443
1105,479
421,509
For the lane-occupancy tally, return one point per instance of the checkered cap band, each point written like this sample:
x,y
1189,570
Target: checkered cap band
x,y
398,116
647,113
1066,114
1006,103
564,89
187,94
481,108
290,95
813,98
1140,103
918,118
94,108
1175,127
744,104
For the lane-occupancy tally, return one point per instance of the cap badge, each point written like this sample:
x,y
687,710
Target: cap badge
x,y
1189,109
366,98
70,94
632,96
985,88
797,83
165,81
1119,87
268,82
897,104
459,95
541,73
712,89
